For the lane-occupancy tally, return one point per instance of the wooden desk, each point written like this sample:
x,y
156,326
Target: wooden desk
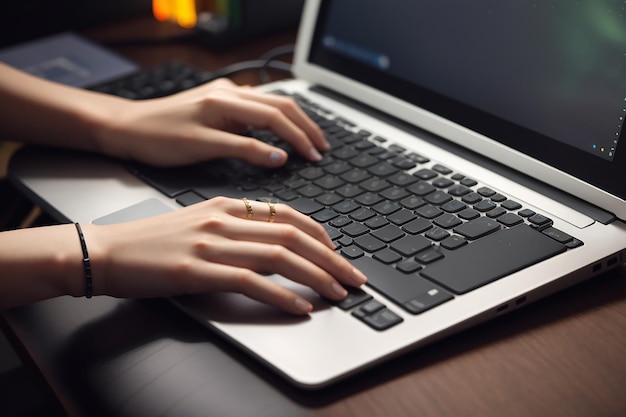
x,y
562,356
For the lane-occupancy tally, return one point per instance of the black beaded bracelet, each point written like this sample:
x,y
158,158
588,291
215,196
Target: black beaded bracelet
x,y
86,262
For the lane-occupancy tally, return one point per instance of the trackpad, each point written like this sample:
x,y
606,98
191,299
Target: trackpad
x,y
142,210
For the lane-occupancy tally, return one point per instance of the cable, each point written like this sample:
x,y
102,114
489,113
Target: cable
x,y
256,64
270,58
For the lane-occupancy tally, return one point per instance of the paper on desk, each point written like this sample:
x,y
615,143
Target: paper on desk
x,y
69,59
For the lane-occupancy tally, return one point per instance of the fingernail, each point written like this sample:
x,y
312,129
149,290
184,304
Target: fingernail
x,y
275,157
303,306
315,155
339,290
359,278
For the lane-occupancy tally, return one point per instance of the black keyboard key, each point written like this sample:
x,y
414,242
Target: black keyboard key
x,y
355,229
476,228
364,161
388,233
382,319
383,169
376,222
428,256
328,199
491,258
459,190
539,220
496,212
393,284
511,205
402,179
325,215
408,266
484,205
443,182
557,235
337,167
189,198
329,182
469,214
412,202
437,234
345,152
417,226
425,174
355,297
410,245
394,193
375,185
486,191
306,206
453,206
387,256
510,219
447,221
442,169
340,222
386,207
346,206
355,176
349,191
421,188
429,211
471,198
362,214
453,242
369,243
352,252
370,307
312,173
401,217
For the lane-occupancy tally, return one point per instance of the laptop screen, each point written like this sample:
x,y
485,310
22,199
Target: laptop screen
x,y
545,78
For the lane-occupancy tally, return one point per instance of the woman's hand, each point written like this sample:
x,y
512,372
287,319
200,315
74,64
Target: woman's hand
x,y
219,245
206,123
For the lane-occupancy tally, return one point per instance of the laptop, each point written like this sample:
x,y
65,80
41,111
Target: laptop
x,y
476,168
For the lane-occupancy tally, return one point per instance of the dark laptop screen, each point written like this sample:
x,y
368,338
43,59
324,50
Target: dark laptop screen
x,y
546,78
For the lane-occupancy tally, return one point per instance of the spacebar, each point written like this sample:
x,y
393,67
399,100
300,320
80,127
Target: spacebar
x,y
492,257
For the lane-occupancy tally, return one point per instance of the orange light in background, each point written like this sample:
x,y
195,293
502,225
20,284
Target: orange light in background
x,y
186,14
162,9
182,12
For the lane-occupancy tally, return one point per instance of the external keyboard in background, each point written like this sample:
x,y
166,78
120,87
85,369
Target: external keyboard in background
x,y
155,82
422,232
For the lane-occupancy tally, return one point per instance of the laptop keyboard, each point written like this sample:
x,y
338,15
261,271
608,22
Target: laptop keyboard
x,y
422,232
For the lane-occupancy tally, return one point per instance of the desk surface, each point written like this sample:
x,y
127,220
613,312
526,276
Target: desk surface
x,y
562,356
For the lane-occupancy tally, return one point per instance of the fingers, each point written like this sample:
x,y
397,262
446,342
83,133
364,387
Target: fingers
x,y
280,114
293,111
251,284
261,211
285,249
258,238
219,143
275,258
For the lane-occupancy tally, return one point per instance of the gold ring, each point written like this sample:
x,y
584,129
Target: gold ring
x,y
249,211
272,207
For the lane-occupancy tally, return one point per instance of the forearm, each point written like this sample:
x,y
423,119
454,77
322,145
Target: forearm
x,y
39,263
37,111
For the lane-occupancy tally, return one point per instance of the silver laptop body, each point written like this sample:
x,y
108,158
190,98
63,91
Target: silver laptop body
x,y
335,71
